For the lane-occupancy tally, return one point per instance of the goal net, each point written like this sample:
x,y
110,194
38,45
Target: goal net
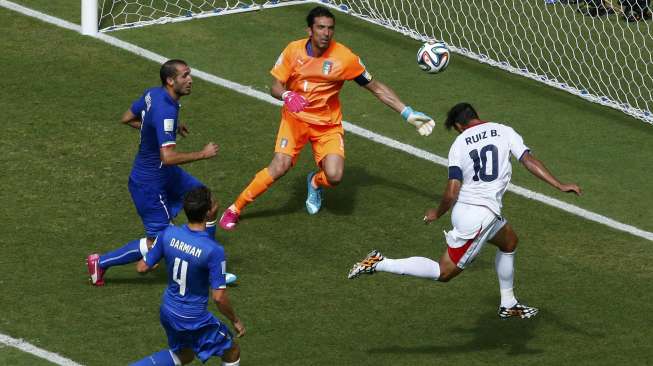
x,y
603,59
120,14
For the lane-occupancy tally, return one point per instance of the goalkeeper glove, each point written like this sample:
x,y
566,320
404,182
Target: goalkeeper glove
x,y
423,123
294,101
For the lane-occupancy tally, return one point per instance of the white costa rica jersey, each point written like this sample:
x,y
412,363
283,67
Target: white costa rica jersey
x,y
480,158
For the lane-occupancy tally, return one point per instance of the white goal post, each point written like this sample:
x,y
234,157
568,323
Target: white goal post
x,y
603,59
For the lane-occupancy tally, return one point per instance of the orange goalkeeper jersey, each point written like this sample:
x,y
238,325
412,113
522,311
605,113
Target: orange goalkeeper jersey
x,y
318,79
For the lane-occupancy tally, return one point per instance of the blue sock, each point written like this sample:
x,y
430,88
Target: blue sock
x,y
161,358
129,253
211,227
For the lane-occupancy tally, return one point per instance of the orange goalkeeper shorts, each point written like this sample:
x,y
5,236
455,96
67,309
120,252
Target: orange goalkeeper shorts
x,y
294,134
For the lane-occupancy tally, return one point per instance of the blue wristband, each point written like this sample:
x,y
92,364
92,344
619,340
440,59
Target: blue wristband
x,y
406,112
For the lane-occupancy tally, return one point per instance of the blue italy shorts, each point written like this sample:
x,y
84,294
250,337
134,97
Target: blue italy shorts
x,y
158,206
208,337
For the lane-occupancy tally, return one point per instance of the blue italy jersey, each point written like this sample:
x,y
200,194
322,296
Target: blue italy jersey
x,y
158,113
195,263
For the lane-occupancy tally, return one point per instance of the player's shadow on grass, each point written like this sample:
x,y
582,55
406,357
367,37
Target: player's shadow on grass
x,y
158,276
488,333
341,200
492,333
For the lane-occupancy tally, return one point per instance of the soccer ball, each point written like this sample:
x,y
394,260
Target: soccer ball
x,y
433,57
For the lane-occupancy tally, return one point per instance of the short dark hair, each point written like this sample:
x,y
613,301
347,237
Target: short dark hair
x,y
460,113
197,204
169,70
316,12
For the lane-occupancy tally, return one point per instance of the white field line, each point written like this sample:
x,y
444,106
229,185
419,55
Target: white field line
x,y
59,360
349,127
38,352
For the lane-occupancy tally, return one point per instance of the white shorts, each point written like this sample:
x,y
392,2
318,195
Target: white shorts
x,y
472,227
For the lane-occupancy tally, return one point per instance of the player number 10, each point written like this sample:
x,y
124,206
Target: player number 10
x,y
179,275
480,163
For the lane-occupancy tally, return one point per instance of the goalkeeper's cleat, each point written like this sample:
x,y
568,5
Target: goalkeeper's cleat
x,y
522,311
230,278
95,272
229,219
314,197
367,265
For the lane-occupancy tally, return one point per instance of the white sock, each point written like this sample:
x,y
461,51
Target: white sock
x,y
413,266
142,245
504,265
235,363
175,358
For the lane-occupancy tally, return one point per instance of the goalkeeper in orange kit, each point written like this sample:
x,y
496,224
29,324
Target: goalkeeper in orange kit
x,y
308,77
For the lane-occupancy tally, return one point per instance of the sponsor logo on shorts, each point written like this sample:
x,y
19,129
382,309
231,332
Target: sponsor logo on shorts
x,y
283,143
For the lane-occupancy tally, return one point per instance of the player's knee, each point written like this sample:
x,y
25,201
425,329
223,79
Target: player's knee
x,y
446,276
334,176
512,245
186,356
279,167
233,354
448,272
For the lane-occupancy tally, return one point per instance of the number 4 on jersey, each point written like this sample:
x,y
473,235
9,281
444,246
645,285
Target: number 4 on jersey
x,y
179,275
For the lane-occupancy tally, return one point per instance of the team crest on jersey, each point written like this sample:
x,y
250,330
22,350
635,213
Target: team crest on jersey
x,y
326,67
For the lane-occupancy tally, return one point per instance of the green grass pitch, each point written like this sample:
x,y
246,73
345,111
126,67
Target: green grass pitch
x,y
64,194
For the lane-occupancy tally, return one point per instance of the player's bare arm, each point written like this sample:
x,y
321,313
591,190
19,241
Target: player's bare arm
x,y
224,305
131,119
142,267
182,129
448,199
537,168
423,123
277,89
385,94
295,102
170,156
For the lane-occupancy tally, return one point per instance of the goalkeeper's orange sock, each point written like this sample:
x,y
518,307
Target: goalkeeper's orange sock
x,y
320,180
261,182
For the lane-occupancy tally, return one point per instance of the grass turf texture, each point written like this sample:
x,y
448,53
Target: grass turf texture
x,y
65,194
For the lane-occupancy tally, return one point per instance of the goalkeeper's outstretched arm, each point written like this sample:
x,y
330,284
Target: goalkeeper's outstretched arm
x,y
385,94
423,123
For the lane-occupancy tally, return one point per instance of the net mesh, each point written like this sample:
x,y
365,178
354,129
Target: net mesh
x,y
593,52
120,14
589,51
